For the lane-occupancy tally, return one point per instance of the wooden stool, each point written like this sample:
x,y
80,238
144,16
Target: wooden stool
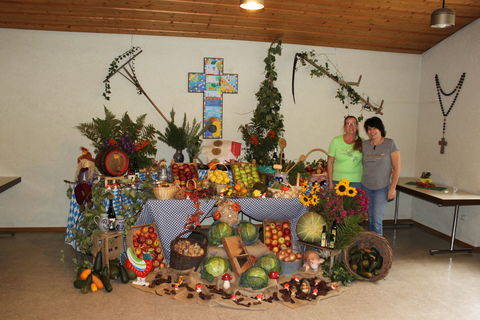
x,y
322,251
110,244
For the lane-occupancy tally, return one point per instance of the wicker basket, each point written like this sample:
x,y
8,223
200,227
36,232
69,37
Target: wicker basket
x,y
315,177
179,261
369,240
165,193
218,187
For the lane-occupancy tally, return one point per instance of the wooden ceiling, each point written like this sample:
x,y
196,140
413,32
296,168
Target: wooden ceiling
x,y
380,25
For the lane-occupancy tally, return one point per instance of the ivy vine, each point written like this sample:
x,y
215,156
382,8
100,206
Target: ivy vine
x,y
262,133
114,67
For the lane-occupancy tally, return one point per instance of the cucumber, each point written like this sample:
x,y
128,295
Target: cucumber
x,y
105,279
114,271
86,285
123,274
98,264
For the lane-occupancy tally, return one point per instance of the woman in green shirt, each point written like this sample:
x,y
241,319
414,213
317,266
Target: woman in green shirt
x,y
345,155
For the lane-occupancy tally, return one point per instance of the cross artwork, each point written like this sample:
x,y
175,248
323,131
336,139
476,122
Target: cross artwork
x,y
442,144
213,83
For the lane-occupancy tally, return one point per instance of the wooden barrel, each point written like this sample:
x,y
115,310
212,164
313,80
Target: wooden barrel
x,y
112,162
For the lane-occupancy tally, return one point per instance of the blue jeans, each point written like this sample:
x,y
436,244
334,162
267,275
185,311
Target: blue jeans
x,y
377,202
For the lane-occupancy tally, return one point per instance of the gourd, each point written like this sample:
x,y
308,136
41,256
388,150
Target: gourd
x,y
310,227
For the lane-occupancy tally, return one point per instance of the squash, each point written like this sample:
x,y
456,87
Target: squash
x,y
310,227
85,273
96,280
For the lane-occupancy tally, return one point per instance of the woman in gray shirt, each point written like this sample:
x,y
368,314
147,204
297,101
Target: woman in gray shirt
x,y
381,169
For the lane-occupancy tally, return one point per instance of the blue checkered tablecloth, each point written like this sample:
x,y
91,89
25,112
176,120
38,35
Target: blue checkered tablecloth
x,y
170,215
74,215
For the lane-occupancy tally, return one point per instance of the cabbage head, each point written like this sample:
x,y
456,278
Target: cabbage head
x,y
248,232
269,263
213,267
218,231
255,278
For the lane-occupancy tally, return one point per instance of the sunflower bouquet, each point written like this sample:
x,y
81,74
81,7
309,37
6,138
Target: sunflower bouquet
x,y
335,204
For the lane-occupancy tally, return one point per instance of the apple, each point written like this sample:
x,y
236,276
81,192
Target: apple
x,y
286,225
275,249
160,257
288,243
136,244
156,263
280,233
281,240
283,246
138,232
274,231
288,238
145,229
274,242
138,251
140,256
268,234
275,236
141,239
278,227
272,225
267,228
149,241
286,231
151,229
268,241
158,250
156,243
153,236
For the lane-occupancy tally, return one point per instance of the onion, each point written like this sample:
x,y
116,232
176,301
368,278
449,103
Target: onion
x,y
299,256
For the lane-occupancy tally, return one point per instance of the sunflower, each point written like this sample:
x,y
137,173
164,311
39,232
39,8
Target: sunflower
x,y
315,188
314,200
341,189
351,192
345,182
305,200
304,188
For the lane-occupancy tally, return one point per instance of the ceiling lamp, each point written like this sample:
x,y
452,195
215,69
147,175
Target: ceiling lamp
x,y
251,4
443,17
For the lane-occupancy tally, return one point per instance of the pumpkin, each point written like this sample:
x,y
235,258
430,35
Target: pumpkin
x,y
310,227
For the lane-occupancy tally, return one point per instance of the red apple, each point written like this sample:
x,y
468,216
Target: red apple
x,y
288,243
149,241
145,229
267,228
138,232
275,236
153,236
156,263
283,246
138,251
278,227
268,241
274,242
280,233
151,229
275,249
268,234
141,239
288,238
274,231
156,244
286,225
286,231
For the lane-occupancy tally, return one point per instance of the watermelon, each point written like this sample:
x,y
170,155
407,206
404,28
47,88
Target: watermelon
x,y
269,263
218,231
310,227
248,232
255,278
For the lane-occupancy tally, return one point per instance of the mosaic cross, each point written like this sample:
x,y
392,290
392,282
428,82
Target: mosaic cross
x,y
213,83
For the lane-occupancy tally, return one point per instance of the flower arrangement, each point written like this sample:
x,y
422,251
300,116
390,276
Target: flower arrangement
x,y
338,203
344,204
136,138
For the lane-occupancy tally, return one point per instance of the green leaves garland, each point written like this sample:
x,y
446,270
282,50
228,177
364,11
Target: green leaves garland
x,y
114,67
261,134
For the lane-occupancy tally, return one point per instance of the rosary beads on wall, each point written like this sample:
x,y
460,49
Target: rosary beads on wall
x,y
445,113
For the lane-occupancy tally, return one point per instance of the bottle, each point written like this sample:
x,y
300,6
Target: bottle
x,y
111,216
333,236
323,239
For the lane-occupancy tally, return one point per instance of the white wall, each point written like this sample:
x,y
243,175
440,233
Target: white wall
x,y
52,81
459,165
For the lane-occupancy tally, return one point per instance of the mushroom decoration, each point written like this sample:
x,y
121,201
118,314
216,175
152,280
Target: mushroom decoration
x,y
286,286
274,275
259,297
226,280
198,287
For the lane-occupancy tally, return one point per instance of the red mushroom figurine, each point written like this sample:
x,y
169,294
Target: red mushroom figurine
x,y
274,275
226,280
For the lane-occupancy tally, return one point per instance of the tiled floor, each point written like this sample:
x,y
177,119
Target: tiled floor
x,y
36,284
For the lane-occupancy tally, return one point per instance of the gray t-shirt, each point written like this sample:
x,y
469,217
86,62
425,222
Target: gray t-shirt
x,y
377,164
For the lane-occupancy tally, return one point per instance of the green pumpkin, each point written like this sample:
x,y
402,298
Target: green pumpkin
x,y
310,227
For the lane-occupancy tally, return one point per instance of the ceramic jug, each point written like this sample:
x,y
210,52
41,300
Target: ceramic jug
x,y
119,223
102,222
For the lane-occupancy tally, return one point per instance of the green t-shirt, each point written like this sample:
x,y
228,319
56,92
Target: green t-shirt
x,y
347,163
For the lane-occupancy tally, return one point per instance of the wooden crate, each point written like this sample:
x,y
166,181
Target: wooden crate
x,y
237,253
156,244
271,242
109,243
